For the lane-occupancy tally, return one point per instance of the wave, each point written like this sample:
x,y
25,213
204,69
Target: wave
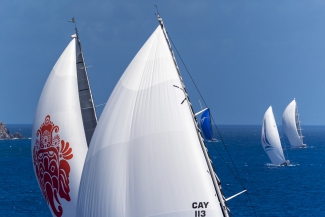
x,y
277,165
292,147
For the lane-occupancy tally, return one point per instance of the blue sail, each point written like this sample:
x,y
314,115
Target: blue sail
x,y
206,125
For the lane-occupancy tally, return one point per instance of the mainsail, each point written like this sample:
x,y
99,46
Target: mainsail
x,y
88,111
59,145
270,138
291,125
146,157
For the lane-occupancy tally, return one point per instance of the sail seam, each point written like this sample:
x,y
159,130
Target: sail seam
x,y
131,123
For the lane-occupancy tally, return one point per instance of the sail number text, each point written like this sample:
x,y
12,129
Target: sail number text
x,y
200,205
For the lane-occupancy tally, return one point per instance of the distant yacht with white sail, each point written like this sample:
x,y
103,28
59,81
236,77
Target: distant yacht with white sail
x,y
271,141
291,125
64,122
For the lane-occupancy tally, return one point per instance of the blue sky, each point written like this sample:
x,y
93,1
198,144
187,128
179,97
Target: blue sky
x,y
244,55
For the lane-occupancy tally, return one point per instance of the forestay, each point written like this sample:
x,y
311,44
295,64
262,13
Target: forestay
x,y
270,138
145,157
59,145
86,100
291,124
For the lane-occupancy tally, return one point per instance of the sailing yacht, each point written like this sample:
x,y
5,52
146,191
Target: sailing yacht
x,y
147,156
291,125
270,139
63,126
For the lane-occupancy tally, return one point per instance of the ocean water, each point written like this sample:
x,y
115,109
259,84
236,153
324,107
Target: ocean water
x,y
295,190
19,191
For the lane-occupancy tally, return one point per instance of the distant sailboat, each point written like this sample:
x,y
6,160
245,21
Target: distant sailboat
x,y
64,123
270,139
147,156
291,125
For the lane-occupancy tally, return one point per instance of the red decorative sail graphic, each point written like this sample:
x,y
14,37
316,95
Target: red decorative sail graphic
x,y
50,156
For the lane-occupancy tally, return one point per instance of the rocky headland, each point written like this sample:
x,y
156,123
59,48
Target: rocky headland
x,y
5,133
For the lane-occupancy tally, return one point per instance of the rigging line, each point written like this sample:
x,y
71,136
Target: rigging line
x,y
240,180
206,106
215,147
187,70
224,144
249,199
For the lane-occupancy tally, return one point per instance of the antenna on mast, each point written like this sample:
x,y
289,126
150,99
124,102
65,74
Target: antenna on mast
x,y
157,12
158,17
75,26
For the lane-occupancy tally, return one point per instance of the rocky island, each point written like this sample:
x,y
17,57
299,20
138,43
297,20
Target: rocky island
x,y
5,133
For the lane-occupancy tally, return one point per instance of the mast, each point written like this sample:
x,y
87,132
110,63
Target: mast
x,y
87,106
214,177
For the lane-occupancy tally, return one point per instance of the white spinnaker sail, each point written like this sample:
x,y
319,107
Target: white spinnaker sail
x,y
289,123
270,138
59,145
145,157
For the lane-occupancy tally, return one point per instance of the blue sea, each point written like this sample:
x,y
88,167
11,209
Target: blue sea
x,y
295,190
